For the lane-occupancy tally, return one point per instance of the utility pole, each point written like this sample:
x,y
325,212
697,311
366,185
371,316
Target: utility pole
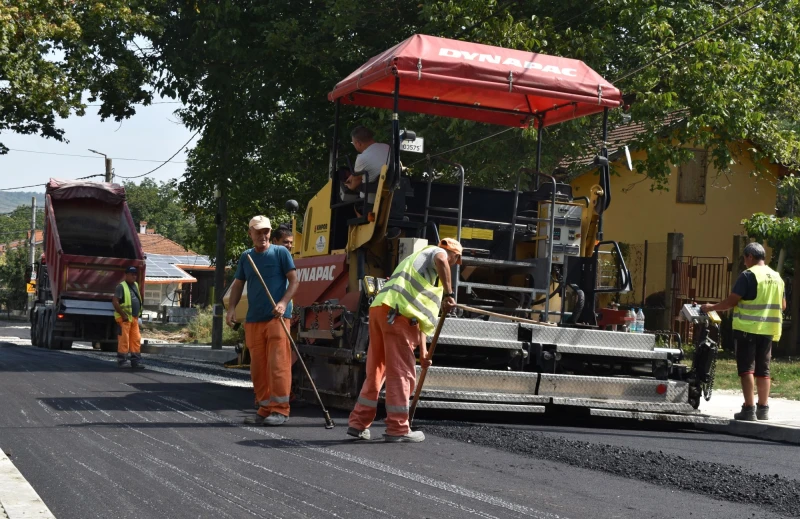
x,y
109,170
219,271
32,253
109,176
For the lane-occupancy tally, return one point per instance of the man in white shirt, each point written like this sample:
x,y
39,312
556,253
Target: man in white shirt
x,y
373,156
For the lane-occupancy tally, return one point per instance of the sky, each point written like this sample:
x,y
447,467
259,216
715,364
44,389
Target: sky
x,y
153,134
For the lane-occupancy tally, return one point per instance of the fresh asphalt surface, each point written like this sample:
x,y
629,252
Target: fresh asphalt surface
x,y
97,441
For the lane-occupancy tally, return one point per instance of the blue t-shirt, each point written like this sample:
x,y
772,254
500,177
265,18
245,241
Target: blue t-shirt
x,y
273,264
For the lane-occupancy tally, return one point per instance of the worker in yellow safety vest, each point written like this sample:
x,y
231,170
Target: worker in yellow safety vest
x,y
127,303
758,300
401,317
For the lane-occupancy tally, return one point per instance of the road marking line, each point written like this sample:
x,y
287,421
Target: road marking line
x,y
17,496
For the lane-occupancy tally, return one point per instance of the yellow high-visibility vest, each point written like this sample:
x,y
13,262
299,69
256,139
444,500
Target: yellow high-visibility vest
x,y
412,295
763,315
126,303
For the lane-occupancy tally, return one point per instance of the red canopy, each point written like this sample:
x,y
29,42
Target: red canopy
x,y
464,80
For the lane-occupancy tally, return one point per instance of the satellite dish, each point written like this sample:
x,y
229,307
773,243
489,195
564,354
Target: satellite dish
x,y
628,158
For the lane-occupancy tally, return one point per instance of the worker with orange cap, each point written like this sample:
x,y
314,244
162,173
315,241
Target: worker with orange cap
x,y
401,317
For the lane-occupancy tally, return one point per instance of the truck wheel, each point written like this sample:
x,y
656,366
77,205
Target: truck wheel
x,y
40,328
66,345
35,327
48,330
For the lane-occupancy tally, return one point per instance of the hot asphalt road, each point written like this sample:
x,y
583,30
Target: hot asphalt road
x,y
96,441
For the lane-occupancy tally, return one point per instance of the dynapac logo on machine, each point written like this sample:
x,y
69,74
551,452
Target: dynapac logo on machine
x,y
493,58
324,273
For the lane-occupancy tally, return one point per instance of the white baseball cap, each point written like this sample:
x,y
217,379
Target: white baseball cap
x,y
260,222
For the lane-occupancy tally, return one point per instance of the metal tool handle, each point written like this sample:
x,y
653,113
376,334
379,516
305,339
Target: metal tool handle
x,y
328,421
503,316
418,390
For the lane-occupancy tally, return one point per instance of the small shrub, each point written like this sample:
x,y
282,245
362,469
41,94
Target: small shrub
x,y
200,329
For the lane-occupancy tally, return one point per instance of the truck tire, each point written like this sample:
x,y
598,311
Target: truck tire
x,y
48,329
40,328
35,327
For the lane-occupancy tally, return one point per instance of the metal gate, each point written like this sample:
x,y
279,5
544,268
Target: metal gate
x,y
699,279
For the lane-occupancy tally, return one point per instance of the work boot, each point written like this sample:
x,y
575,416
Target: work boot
x,y
762,412
276,419
411,437
121,361
358,435
136,363
747,414
254,420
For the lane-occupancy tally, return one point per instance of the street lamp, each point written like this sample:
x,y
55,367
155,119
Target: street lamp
x,y
108,165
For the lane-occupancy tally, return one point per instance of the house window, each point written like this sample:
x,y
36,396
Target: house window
x,y
692,179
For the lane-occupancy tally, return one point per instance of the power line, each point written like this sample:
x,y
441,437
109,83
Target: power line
x,y
465,145
90,156
20,187
166,161
148,104
693,40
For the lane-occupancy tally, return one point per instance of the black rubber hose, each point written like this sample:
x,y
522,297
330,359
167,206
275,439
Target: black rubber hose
x,y
580,301
542,300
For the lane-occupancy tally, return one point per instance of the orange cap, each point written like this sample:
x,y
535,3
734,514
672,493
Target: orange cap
x,y
453,246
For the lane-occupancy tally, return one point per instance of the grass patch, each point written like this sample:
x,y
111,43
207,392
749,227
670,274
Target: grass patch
x,y
785,373
199,329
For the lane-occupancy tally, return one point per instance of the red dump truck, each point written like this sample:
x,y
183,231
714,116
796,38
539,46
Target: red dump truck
x,y
89,241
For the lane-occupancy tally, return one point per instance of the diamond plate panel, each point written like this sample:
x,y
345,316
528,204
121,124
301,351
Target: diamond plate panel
x,y
468,406
475,328
611,352
613,388
628,406
477,396
597,338
479,343
697,418
479,380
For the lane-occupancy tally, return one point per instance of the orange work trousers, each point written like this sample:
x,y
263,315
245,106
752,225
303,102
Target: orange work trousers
x,y
129,339
270,365
390,359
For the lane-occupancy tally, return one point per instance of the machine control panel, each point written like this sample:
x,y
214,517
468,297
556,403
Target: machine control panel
x,y
692,313
566,233
373,285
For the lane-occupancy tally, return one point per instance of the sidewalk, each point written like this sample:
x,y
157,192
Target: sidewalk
x,y
18,499
783,425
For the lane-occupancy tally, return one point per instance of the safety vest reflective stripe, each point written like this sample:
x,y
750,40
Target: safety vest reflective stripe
x,y
397,409
367,402
746,306
759,319
418,305
412,295
433,296
126,302
763,315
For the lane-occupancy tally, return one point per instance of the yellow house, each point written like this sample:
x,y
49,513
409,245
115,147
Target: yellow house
x,y
706,206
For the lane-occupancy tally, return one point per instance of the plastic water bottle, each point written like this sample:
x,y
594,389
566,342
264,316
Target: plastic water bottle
x,y
640,321
630,321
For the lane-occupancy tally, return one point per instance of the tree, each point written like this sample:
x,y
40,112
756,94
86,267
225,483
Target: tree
x,y
16,225
13,293
254,79
161,207
51,52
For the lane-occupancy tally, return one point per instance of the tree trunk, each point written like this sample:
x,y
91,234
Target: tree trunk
x,y
781,260
795,329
